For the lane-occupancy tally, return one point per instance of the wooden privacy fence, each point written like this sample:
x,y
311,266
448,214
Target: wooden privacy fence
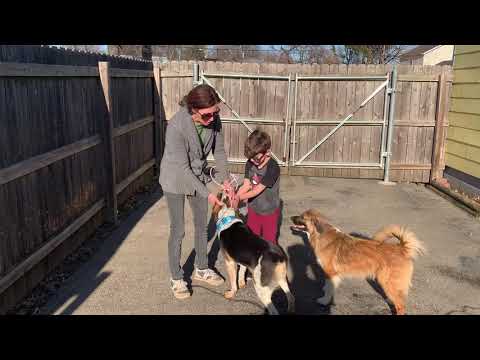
x,y
73,138
300,104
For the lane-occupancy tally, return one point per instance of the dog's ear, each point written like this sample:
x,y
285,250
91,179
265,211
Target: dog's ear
x,y
216,208
318,226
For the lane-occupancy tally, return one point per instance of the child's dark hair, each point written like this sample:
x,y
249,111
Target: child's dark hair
x,y
257,143
200,97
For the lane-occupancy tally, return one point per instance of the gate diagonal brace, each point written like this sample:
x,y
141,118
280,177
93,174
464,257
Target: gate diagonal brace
x,y
204,79
365,102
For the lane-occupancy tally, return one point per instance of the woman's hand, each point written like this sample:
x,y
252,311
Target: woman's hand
x,y
212,199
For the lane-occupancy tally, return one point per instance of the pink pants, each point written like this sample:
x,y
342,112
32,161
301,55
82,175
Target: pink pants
x,y
264,225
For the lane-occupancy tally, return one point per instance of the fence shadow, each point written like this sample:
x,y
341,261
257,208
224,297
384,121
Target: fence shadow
x,y
90,275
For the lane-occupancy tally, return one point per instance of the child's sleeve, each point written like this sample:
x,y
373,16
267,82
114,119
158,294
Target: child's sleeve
x,y
271,175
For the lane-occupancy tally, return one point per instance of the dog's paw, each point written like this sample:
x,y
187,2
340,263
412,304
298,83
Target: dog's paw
x,y
229,294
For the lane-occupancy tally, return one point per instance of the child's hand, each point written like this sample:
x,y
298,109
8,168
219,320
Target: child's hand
x,y
235,200
233,197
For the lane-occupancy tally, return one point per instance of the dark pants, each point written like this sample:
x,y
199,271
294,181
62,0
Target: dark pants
x,y
176,206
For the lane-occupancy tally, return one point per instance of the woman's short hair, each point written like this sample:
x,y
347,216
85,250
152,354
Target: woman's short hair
x,y
200,97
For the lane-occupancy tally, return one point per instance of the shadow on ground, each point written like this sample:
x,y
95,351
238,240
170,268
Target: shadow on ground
x,y
307,279
94,276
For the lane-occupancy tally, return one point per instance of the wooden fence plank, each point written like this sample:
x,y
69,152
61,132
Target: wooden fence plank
x,y
130,73
315,103
110,168
33,164
47,70
312,131
438,157
159,116
224,85
348,131
358,132
40,254
340,113
330,104
276,132
125,129
39,70
320,111
238,132
368,115
134,175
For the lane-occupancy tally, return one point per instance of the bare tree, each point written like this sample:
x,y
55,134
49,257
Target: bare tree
x,y
126,50
286,53
194,52
370,54
171,52
306,54
180,52
88,48
236,53
385,54
321,55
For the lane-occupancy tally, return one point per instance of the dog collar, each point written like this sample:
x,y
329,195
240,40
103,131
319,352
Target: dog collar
x,y
225,222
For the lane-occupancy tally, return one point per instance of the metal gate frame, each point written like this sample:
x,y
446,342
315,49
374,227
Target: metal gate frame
x,y
387,82
390,81
201,77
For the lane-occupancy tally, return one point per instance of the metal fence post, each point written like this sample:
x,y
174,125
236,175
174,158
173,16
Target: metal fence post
x,y
293,141
196,75
286,123
391,113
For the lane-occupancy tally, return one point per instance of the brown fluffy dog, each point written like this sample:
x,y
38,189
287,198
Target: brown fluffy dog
x,y
342,255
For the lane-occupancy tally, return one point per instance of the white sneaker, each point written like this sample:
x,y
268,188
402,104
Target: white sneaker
x,y
209,276
180,289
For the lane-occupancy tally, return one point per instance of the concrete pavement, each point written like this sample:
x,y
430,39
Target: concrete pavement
x,y
129,274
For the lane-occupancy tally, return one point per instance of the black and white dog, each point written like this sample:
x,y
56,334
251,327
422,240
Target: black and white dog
x,y
267,262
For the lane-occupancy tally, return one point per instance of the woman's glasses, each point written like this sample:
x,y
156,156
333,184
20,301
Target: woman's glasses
x,y
207,116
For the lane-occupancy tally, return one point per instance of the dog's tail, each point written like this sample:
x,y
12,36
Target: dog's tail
x,y
408,240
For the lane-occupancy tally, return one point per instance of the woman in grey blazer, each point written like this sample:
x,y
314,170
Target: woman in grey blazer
x,y
193,132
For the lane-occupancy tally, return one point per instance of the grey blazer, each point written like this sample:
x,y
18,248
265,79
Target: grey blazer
x,y
184,159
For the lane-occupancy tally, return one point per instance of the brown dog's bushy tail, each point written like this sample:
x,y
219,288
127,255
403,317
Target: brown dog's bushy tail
x,y
408,240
